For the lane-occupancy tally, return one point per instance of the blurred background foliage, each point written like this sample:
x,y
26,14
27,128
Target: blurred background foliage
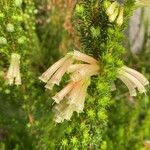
x,y
43,32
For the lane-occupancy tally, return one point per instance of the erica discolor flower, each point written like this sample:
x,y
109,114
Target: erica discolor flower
x,y
115,12
120,17
75,94
54,73
83,57
71,98
13,74
133,79
111,9
143,2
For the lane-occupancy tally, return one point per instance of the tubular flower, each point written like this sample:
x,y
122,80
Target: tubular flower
x,y
71,98
13,74
73,101
54,74
120,17
143,2
115,11
133,79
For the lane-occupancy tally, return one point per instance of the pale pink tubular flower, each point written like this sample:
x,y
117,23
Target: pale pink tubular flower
x,y
71,98
133,80
138,75
74,92
63,112
54,74
120,17
129,85
13,74
60,95
87,70
52,69
75,67
143,3
110,10
56,78
73,102
79,99
83,57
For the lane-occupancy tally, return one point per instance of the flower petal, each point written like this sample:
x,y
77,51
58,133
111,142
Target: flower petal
x,y
75,67
56,78
52,69
86,71
61,94
113,16
110,10
63,111
120,17
137,75
129,85
83,57
134,80
14,70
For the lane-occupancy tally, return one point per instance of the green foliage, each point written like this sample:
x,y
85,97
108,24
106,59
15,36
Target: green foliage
x,y
38,31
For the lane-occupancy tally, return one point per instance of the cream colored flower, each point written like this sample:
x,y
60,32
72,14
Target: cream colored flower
x,y
13,74
120,17
113,17
63,111
143,3
78,94
133,79
85,71
83,57
111,9
72,97
54,74
60,95
74,93
115,11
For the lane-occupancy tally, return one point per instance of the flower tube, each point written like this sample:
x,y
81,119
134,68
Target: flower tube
x,y
110,10
52,69
13,74
72,97
61,94
120,17
83,57
132,80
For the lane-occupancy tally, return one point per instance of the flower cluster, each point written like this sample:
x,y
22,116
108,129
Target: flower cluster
x,y
133,79
13,74
115,12
71,98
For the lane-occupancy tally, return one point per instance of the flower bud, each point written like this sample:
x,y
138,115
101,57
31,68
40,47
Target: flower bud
x,y
120,17
110,10
13,74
